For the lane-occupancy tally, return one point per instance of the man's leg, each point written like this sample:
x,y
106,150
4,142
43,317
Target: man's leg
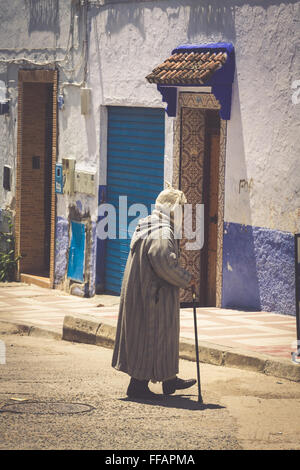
x,y
171,385
139,389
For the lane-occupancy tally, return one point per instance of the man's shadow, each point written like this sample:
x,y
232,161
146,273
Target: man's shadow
x,y
175,401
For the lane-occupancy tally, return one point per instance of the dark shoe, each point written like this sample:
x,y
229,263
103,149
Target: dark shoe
x,y
140,389
170,386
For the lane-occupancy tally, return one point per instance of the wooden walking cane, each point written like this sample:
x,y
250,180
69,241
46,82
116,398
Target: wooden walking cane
x,y
200,400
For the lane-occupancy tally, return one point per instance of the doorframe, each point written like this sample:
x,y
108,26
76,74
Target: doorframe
x,y
204,101
38,76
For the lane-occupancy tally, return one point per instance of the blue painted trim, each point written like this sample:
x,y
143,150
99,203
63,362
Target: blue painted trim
x,y
169,96
221,81
258,269
226,73
223,93
221,46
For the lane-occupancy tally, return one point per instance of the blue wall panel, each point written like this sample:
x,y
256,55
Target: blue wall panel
x,y
258,269
135,168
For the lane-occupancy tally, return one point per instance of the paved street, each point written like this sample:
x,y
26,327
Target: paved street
x,y
261,332
62,395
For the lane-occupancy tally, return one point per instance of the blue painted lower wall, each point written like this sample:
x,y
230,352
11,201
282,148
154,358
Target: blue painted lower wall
x,y
61,248
61,254
258,266
258,269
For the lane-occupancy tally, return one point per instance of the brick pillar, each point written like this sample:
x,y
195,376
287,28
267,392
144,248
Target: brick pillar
x,y
35,197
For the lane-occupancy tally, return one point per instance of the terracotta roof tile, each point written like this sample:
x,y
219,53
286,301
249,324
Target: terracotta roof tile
x,y
189,68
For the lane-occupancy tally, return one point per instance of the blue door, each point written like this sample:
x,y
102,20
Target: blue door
x,y
77,252
135,168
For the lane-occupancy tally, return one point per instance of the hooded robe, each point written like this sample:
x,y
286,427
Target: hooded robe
x,y
147,335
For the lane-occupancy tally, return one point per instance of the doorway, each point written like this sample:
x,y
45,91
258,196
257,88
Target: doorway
x,y
199,180
35,211
211,187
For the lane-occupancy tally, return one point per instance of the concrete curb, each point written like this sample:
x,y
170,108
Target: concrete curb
x,y
88,329
27,330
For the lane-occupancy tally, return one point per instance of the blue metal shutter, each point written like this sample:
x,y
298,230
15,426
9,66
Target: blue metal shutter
x,y
135,168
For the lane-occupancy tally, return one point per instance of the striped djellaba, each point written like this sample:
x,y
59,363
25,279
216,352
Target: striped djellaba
x,y
147,336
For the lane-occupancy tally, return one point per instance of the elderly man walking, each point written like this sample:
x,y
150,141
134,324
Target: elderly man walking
x,y
147,336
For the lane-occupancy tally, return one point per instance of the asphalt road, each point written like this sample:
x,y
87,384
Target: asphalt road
x,y
61,395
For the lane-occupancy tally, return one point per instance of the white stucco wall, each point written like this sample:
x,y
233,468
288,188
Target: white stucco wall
x,y
8,137
126,41
79,137
34,29
45,35
263,141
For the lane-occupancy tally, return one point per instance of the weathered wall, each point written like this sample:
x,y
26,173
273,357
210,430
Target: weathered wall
x,y
263,141
126,41
48,34
262,183
34,31
8,137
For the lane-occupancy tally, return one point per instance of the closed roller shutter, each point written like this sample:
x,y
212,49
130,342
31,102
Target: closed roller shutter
x,y
135,168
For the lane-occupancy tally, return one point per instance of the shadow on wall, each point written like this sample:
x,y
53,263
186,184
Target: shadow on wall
x,y
211,17
208,18
120,16
43,15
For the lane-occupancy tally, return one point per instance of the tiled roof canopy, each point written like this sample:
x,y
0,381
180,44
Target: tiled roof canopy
x,y
196,65
187,68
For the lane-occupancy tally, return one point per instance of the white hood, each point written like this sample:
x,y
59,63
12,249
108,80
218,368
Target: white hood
x,y
150,226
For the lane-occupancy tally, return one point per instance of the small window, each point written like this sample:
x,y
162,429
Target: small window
x,y
6,177
35,163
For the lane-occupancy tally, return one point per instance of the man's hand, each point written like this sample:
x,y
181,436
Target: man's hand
x,y
193,284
